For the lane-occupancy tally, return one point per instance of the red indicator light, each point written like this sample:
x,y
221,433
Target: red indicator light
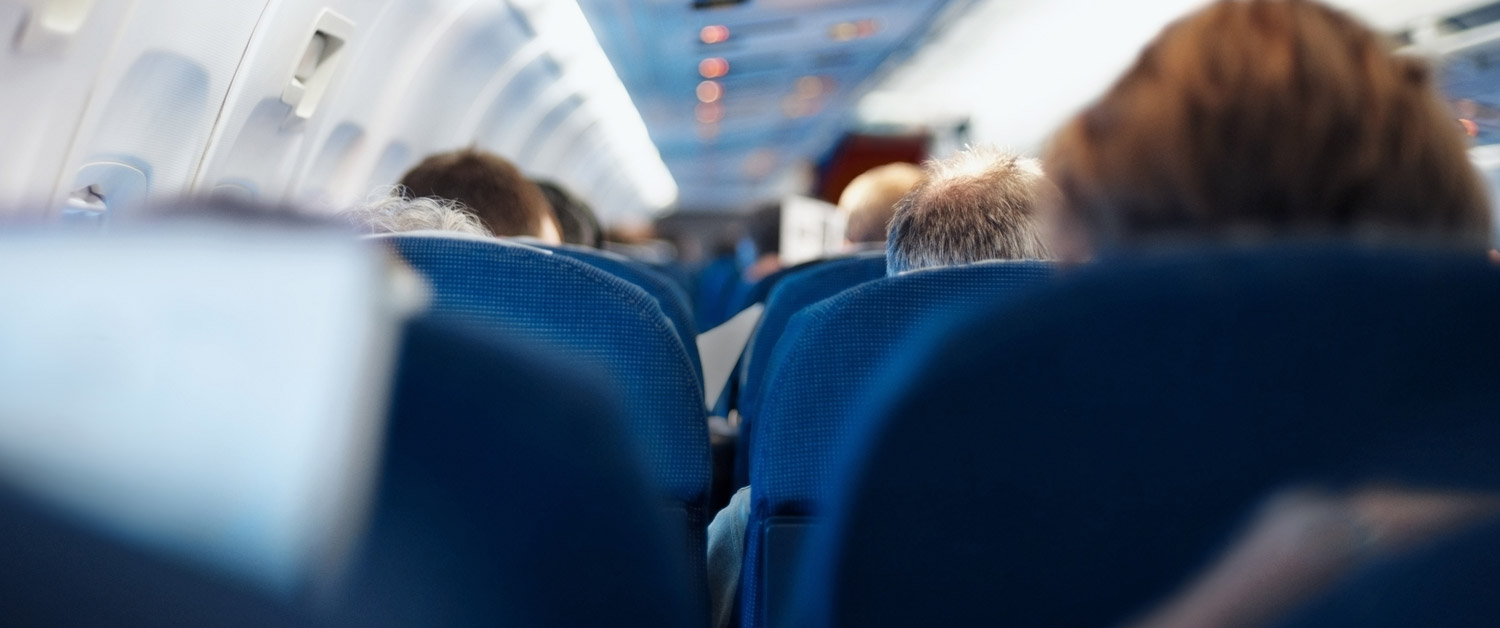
x,y
713,67
715,34
710,113
710,91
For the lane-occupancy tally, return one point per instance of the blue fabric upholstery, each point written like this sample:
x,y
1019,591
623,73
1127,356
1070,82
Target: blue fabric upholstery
x,y
749,294
716,285
826,361
507,498
503,478
1450,584
670,296
601,321
60,572
811,283
1069,461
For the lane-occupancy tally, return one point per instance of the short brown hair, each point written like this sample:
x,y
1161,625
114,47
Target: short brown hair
x,y
978,205
1269,117
870,200
506,201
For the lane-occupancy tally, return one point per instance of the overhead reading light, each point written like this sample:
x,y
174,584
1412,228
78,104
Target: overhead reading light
x,y
850,31
715,34
710,91
713,67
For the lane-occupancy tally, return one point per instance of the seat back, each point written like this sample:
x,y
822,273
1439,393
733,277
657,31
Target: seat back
x,y
504,487
502,475
599,320
715,283
60,571
812,282
825,363
1070,460
670,296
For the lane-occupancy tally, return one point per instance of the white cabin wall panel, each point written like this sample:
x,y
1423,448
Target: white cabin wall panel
x,y
434,115
499,129
259,139
157,100
344,145
457,74
44,89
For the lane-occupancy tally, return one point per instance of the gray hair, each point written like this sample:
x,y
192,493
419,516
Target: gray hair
x,y
978,205
389,211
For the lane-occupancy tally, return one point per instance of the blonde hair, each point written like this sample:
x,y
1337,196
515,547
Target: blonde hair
x,y
870,200
1269,117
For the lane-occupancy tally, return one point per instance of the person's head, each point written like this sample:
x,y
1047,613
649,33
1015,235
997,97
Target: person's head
x,y
978,205
495,190
576,219
871,198
394,213
763,234
1266,118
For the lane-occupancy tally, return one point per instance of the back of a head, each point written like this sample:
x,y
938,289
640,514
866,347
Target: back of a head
x,y
1267,118
506,201
763,228
394,213
575,218
979,205
870,200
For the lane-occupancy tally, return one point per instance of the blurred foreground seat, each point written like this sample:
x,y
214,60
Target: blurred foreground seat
x,y
1070,460
1448,585
194,430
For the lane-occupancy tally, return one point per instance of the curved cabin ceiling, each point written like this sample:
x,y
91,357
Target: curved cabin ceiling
x,y
738,97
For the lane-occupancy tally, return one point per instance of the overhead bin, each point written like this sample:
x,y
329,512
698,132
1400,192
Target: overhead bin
x,y
46,76
296,63
155,101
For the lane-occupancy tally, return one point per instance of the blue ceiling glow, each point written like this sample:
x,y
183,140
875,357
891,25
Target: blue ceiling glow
x,y
771,114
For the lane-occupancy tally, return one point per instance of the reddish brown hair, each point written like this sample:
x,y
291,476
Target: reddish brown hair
x,y
488,185
1269,117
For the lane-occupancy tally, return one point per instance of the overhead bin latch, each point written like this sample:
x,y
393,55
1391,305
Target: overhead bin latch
x,y
52,25
321,57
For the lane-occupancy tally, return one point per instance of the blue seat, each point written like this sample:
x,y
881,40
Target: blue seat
x,y
62,572
716,285
599,320
668,294
1450,584
810,283
1070,460
502,478
507,499
825,363
749,294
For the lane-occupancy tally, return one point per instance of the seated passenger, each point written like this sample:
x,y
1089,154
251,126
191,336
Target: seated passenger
x,y
1264,119
975,206
870,199
574,217
394,213
760,249
506,202
978,205
1253,120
